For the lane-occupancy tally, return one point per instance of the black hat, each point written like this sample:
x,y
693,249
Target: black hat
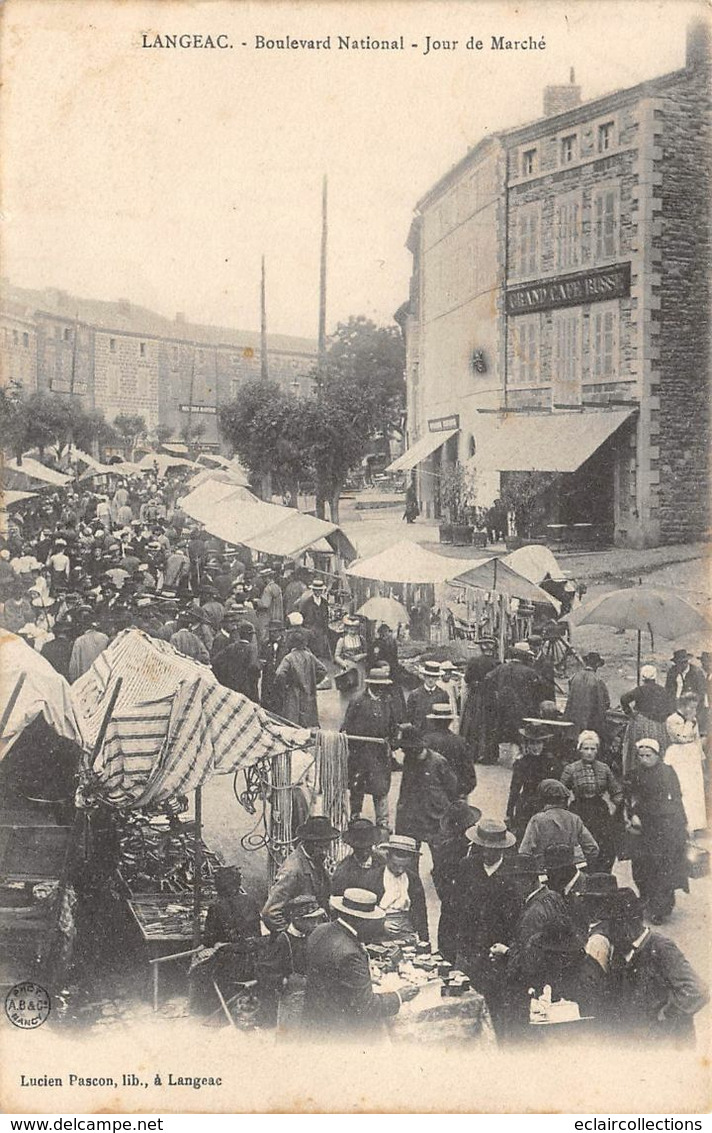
x,y
317,828
361,832
558,856
410,736
458,818
628,905
600,885
526,865
593,659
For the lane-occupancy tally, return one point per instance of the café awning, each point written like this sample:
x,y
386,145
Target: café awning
x,y
542,442
421,450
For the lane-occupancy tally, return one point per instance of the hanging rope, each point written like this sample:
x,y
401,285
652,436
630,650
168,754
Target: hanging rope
x,y
332,781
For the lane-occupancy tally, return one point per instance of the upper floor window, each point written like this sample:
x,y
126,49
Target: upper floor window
x,y
525,367
142,349
568,232
112,345
65,334
606,136
568,149
15,337
527,253
25,338
566,357
604,340
528,162
605,223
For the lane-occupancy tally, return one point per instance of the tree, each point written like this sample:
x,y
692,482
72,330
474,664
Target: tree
x,y
131,429
91,428
191,433
162,433
372,360
13,422
458,491
523,494
266,426
50,421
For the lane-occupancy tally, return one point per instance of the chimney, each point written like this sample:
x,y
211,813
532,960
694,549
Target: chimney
x,y
559,99
699,39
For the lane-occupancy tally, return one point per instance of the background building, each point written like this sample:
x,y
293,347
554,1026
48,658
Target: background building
x,y
121,358
558,320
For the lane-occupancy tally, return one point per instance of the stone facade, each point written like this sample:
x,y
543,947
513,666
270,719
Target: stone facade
x,y
123,359
594,296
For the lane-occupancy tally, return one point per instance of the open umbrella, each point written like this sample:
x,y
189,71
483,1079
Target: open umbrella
x,y
386,610
641,607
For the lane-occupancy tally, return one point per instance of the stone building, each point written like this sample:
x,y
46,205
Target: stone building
x,y
121,358
558,320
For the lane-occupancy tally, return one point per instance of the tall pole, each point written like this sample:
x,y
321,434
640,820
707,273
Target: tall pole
x,y
197,866
74,355
190,397
322,282
264,367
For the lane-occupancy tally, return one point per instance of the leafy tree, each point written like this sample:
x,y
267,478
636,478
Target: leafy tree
x,y
458,491
162,433
524,495
91,428
50,421
13,422
372,360
265,426
131,429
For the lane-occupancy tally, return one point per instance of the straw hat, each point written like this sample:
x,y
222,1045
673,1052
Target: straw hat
x,y
359,903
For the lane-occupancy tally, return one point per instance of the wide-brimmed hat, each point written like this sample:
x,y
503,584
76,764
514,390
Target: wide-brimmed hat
x,y
378,677
317,828
305,905
593,659
535,732
526,865
628,904
350,620
600,885
682,655
359,903
458,818
558,856
360,832
553,791
447,667
491,833
441,711
401,844
318,584
522,648
430,669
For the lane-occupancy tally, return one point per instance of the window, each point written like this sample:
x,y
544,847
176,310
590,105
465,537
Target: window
x,y
568,149
605,223
65,334
606,134
527,253
528,162
525,363
112,345
604,340
142,349
566,358
568,232
25,338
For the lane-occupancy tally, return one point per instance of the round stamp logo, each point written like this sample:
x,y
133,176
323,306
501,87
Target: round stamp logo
x,y
27,1005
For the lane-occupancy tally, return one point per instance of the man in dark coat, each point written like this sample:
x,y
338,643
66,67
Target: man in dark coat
x,y
371,714
473,723
59,651
683,676
236,666
588,699
339,995
426,695
484,907
658,991
314,608
438,737
362,868
518,691
274,650
302,872
428,787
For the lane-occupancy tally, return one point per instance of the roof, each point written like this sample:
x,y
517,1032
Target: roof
x,y
542,442
421,450
408,562
122,316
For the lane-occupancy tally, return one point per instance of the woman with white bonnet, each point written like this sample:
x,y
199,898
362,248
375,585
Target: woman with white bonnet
x,y
596,790
647,707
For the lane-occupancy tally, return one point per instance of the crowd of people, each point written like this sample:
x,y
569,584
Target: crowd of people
x,y
527,900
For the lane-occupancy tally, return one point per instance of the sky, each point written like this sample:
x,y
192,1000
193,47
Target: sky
x,y
162,176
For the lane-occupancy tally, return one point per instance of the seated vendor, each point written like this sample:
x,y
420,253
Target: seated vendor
x,y
230,937
362,868
402,896
282,964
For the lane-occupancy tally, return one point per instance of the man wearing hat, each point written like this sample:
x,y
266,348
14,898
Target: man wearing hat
x,y
449,682
658,993
339,995
282,964
483,907
58,651
473,723
555,824
683,676
588,700
270,600
592,906
274,649
518,692
426,695
186,641
428,787
298,674
451,848
314,608
362,868
438,737
303,872
536,763
236,667
400,891
371,714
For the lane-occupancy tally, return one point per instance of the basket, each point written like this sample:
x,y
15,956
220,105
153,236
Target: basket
x,y
347,680
698,861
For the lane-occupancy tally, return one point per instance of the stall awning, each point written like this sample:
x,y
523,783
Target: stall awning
x,y
421,450
542,442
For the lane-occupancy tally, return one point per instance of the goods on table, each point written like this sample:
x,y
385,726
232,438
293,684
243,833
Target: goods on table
x,y
160,916
159,857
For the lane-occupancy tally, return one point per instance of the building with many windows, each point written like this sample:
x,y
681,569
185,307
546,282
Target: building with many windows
x,y
121,358
558,318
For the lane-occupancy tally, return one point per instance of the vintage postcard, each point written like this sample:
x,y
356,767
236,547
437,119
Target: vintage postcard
x,y
354,594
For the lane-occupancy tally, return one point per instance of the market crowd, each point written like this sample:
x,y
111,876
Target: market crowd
x,y
530,913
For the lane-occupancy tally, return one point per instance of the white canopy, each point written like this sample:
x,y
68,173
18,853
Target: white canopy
x,y
534,562
19,476
43,691
408,562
